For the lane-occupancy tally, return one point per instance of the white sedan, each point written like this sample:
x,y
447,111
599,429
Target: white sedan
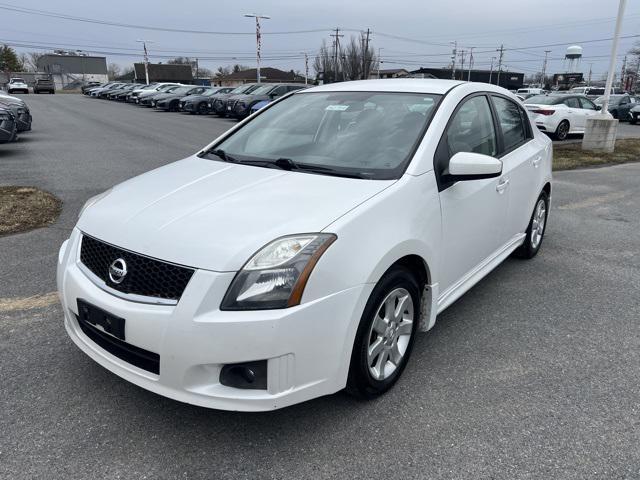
x,y
17,85
560,115
302,251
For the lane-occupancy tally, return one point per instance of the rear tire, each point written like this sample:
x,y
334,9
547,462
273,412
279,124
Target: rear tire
x,y
535,231
202,108
385,335
562,131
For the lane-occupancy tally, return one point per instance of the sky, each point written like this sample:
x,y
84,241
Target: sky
x,y
408,33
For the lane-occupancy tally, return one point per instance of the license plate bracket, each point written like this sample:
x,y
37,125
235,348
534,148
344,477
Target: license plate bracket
x,y
96,316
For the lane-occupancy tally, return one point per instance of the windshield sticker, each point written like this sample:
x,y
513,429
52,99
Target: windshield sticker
x,y
337,108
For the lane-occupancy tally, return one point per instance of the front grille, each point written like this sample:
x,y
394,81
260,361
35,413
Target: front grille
x,y
139,357
145,276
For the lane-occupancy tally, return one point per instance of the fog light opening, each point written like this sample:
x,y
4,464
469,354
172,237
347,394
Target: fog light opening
x,y
248,375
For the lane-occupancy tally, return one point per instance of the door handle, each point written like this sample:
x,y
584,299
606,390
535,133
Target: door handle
x,y
536,161
502,185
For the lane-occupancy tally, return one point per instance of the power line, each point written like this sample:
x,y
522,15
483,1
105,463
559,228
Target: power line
x,y
46,13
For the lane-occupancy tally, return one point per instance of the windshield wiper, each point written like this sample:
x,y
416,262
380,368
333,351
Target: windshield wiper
x,y
224,156
287,164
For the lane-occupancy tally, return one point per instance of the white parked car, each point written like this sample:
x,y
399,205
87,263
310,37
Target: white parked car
x,y
530,91
560,115
139,94
291,259
17,85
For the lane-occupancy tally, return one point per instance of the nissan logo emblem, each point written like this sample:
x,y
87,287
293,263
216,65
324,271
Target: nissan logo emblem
x,y
117,271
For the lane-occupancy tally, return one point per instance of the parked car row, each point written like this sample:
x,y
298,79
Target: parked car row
x,y
42,85
15,117
237,102
563,114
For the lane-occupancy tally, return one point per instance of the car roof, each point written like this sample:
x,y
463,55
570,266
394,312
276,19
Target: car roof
x,y
407,85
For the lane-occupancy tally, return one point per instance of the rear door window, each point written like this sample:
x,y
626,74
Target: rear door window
x,y
512,123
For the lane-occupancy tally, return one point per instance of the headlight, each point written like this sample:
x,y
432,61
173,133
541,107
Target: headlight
x,y
276,275
93,200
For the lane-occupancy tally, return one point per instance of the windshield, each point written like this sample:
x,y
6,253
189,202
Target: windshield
x,y
613,99
17,80
180,90
543,100
262,90
363,134
241,89
208,93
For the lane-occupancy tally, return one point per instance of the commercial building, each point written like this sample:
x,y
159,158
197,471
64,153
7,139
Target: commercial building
x,y
70,69
267,75
508,80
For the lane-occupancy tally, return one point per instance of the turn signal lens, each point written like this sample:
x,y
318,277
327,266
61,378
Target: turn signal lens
x,y
544,112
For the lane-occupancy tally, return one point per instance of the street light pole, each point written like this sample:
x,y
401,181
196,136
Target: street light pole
x,y
258,39
146,58
612,60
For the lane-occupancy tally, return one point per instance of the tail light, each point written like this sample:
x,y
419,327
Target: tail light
x,y
544,112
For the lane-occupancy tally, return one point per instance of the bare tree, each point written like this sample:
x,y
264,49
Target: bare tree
x,y
113,71
30,61
355,61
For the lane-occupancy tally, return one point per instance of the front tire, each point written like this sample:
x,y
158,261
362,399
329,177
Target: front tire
x,y
535,231
385,335
562,131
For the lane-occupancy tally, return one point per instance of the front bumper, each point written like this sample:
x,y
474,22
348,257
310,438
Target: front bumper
x,y
307,348
23,122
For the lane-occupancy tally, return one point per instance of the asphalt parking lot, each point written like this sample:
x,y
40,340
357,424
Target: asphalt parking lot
x,y
533,374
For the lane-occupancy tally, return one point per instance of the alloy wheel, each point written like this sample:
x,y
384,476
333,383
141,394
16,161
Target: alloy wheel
x,y
538,223
563,130
390,334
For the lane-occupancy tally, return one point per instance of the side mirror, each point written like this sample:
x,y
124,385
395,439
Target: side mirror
x,y
472,166
598,107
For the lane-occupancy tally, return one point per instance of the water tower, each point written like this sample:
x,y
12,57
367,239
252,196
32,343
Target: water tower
x,y
572,58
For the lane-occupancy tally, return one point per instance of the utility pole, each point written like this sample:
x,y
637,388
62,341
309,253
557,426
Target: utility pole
x,y
544,68
454,55
197,70
623,74
306,67
589,77
146,58
470,63
462,56
635,78
258,39
336,49
491,69
365,54
501,50
380,60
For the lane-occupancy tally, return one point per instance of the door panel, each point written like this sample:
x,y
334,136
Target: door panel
x,y
520,165
473,213
473,210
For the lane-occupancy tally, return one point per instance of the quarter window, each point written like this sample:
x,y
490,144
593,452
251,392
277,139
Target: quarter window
x,y
571,102
510,118
471,129
587,104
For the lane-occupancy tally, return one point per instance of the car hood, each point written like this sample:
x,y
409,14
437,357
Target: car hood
x,y
214,215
